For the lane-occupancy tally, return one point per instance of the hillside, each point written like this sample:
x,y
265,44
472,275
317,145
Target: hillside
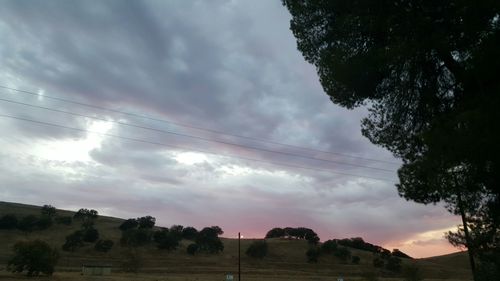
x,y
286,259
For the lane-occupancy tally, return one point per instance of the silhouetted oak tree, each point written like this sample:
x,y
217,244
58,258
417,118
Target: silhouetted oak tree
x,y
428,71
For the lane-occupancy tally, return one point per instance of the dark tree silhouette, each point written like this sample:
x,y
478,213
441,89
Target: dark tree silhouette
x,y
146,222
103,245
189,233
48,210
258,249
8,221
34,257
128,224
428,71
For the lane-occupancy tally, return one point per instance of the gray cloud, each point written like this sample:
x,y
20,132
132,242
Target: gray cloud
x,y
224,65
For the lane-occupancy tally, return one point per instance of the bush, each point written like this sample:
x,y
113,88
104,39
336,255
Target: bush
x,y
73,241
34,257
146,222
170,242
128,224
86,214
343,254
312,255
66,220
44,222
48,210
257,249
276,233
329,247
393,264
27,223
189,233
192,249
103,245
208,240
8,221
135,237
90,235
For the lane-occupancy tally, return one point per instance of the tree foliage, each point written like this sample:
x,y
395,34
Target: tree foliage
x,y
103,245
294,232
313,254
86,214
129,224
146,222
189,233
73,241
48,210
8,221
427,70
208,240
34,257
258,249
192,249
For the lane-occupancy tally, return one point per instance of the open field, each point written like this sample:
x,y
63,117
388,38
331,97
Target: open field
x,y
286,259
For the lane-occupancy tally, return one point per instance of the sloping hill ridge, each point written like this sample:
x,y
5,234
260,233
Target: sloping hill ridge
x,y
286,259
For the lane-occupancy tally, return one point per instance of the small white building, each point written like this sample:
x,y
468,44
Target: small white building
x,y
96,269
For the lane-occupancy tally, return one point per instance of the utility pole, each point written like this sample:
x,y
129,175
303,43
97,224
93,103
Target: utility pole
x,y
239,256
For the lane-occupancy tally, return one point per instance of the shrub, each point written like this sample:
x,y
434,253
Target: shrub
x,y
393,264
257,249
44,222
170,242
48,210
27,223
312,255
86,214
192,249
128,224
90,235
103,245
34,257
135,237
146,222
73,241
343,254
8,221
189,233
329,247
275,233
208,240
66,220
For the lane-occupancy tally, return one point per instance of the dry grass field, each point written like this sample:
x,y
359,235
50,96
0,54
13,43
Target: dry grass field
x,y
286,259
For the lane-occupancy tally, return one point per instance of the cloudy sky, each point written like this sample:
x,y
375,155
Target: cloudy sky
x,y
196,112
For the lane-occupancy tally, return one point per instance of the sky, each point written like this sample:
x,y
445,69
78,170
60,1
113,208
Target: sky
x,y
198,113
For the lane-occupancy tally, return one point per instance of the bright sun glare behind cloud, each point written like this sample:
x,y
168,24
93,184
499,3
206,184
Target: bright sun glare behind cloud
x,y
190,158
75,150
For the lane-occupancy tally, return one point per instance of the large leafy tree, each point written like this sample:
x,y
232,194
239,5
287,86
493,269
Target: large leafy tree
x,y
427,70
34,257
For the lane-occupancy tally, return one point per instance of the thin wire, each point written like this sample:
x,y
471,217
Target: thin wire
x,y
190,149
197,128
197,137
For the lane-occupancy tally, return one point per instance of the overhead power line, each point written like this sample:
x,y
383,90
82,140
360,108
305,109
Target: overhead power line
x,y
196,127
197,137
190,149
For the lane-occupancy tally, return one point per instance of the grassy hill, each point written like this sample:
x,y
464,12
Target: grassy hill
x,y
286,259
